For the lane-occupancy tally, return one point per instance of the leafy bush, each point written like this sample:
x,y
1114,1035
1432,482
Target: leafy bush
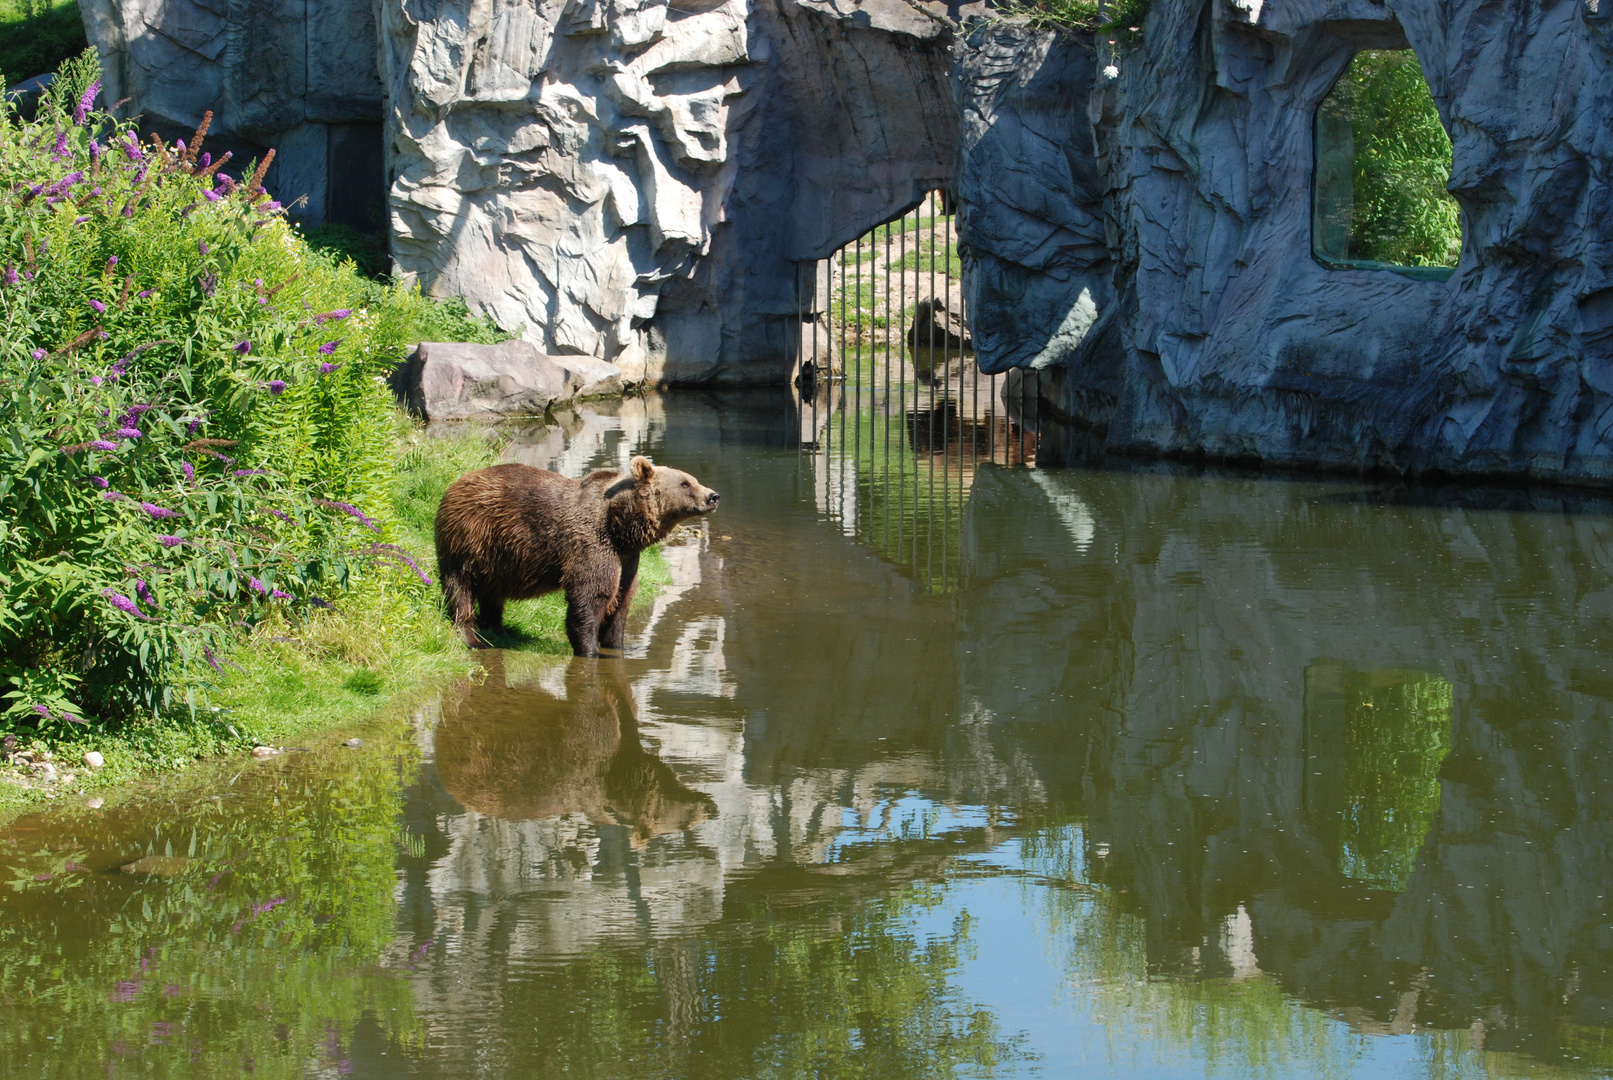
x,y
194,433
340,242
36,36
1120,21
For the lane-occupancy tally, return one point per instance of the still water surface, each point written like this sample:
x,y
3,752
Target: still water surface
x,y
1162,775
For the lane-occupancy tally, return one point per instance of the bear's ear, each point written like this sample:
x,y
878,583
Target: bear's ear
x,y
642,469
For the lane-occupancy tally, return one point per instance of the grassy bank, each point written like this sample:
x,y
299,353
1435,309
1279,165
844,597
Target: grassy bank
x,y
296,681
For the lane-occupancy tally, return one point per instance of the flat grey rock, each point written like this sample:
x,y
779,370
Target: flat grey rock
x,y
463,381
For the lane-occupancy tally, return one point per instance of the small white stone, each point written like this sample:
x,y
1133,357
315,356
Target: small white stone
x,y
261,752
96,803
93,759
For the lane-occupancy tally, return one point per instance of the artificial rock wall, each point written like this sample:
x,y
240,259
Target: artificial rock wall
x,y
650,182
640,181
1219,336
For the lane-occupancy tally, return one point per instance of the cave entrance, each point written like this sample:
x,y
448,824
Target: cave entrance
x,y
1383,160
895,415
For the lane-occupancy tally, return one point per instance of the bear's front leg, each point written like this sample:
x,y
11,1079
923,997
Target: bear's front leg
x,y
589,590
613,634
583,611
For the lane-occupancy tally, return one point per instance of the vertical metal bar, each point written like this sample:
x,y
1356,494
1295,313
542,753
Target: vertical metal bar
x,y
946,397
887,400
857,414
901,412
929,524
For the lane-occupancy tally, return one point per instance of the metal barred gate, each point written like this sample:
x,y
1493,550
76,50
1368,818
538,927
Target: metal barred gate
x,y
895,416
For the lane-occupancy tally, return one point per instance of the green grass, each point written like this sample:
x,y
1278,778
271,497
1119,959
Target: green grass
x,y
386,649
36,36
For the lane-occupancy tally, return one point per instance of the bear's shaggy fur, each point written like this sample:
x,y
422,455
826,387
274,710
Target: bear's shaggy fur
x,y
513,532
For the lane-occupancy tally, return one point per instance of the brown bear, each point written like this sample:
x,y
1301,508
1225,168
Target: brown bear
x,y
513,532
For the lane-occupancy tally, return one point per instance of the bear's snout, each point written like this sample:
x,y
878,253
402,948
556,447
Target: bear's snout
x,y
712,499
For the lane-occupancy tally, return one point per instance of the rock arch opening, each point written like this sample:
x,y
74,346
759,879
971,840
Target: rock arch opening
x,y
1383,160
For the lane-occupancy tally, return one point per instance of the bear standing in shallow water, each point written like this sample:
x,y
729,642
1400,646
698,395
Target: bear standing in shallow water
x,y
513,532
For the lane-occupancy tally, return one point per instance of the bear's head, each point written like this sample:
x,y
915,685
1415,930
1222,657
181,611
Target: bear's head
x,y
673,496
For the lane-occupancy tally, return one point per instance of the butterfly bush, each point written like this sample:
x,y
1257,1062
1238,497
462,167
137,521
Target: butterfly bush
x,y
179,457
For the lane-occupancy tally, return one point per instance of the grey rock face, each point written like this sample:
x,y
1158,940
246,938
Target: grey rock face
x,y
1227,339
300,78
461,381
1037,269
651,183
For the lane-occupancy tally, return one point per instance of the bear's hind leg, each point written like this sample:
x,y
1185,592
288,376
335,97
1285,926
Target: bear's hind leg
x,y
461,608
489,615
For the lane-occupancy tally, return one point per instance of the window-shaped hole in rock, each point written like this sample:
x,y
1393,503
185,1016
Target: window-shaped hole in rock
x,y
1383,159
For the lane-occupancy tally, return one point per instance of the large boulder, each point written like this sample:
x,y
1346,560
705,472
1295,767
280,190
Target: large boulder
x,y
460,381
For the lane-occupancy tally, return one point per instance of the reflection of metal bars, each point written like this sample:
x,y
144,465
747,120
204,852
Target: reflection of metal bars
x,y
916,420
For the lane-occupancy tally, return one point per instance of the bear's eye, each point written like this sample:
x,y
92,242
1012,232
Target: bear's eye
x,y
686,483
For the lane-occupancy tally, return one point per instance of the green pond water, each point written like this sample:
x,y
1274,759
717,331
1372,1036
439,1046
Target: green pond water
x,y
925,765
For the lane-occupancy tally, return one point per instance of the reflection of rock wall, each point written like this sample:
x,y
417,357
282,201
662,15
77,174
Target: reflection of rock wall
x,y
1167,693
638,181
1232,340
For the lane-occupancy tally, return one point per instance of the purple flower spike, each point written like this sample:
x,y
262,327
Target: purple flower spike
x,y
326,369
329,347
42,711
143,294
350,510
111,262
100,482
102,444
251,472
321,602
201,246
38,354
127,433
10,276
144,593
95,380
258,586
278,595
86,103
269,207
168,541
211,196
124,604
158,512
60,150
100,308
205,160
276,386
243,347
339,313
81,219
189,470
114,496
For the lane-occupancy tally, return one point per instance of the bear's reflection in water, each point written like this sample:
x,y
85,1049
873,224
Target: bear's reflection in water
x,y
542,738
